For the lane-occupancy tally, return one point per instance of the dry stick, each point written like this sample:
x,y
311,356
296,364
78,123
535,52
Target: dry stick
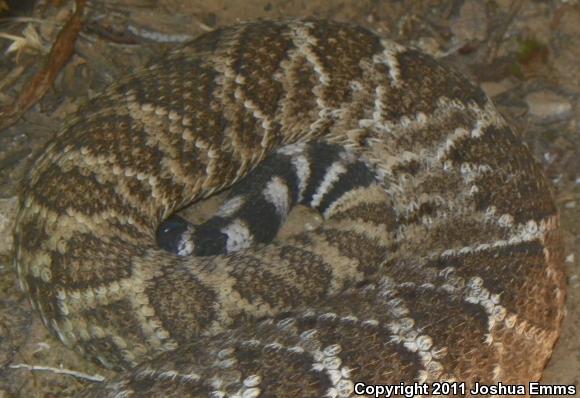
x,y
11,76
62,50
497,36
74,373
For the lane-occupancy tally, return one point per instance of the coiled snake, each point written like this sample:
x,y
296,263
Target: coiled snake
x,y
447,268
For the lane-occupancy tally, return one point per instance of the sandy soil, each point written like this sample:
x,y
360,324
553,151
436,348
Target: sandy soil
x,y
523,53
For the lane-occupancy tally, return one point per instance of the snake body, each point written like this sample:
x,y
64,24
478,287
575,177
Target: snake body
x,y
449,268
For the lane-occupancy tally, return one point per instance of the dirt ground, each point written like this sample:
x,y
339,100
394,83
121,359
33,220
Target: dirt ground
x,y
525,54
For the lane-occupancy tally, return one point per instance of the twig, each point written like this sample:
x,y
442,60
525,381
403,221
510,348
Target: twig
x,y
15,20
74,373
62,50
498,35
11,76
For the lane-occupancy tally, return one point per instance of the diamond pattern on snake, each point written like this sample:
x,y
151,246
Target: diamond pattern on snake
x,y
442,263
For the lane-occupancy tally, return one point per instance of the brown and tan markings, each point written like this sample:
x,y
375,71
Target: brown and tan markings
x,y
452,270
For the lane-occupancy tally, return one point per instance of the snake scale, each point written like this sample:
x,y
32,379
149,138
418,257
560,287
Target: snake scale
x,y
448,268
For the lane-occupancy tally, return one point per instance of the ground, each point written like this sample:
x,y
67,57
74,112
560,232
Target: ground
x,y
523,53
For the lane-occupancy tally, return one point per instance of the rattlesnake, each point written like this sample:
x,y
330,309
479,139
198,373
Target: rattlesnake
x,y
450,271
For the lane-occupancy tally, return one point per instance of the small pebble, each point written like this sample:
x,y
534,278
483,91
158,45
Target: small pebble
x,y
548,107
